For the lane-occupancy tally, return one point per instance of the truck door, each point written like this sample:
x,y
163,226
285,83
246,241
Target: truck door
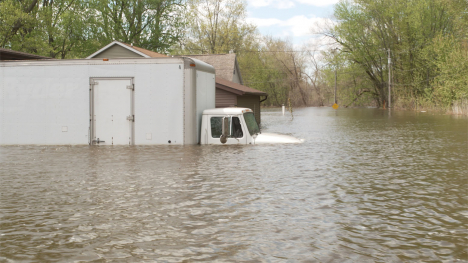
x,y
111,109
238,131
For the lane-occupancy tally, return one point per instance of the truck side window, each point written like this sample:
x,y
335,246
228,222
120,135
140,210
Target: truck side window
x,y
216,127
236,131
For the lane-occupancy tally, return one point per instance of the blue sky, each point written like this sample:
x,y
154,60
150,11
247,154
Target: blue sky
x,y
290,19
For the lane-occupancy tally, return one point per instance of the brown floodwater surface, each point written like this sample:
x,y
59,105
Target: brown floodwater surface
x,y
365,186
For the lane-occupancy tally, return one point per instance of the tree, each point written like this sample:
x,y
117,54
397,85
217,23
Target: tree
x,y
450,85
317,77
54,28
217,26
152,24
65,25
368,29
16,22
274,67
77,28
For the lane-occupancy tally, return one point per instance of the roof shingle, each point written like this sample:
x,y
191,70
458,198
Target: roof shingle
x,y
237,88
223,63
8,54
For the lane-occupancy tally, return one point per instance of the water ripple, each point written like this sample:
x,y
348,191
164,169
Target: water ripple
x,y
363,187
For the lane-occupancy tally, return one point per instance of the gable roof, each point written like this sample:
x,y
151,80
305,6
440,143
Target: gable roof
x,y
8,54
237,88
147,52
224,64
137,50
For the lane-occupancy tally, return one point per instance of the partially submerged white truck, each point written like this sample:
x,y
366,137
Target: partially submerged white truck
x,y
134,101
236,126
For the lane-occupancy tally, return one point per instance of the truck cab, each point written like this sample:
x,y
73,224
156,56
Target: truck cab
x,y
243,127
236,126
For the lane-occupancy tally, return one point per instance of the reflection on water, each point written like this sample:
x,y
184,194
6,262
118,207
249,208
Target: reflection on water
x,y
363,187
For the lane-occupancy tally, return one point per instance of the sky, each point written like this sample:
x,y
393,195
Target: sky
x,y
294,20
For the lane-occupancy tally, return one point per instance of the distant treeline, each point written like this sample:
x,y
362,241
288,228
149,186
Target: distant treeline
x,y
426,41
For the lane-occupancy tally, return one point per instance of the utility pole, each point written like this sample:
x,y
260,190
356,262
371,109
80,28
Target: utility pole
x,y
335,84
334,52
389,80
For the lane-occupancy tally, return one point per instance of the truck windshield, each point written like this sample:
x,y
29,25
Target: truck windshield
x,y
251,123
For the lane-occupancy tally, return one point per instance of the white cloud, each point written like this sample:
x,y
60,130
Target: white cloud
x,y
318,2
296,26
300,25
284,4
279,4
264,22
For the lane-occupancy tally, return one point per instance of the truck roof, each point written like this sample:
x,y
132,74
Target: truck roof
x,y
226,111
197,64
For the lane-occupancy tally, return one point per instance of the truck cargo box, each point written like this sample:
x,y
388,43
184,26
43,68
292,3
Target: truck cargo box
x,y
137,101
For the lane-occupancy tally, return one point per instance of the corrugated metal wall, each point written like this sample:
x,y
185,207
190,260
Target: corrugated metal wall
x,y
252,102
225,99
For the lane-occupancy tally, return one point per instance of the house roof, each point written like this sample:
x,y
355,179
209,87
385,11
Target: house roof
x,y
137,50
147,52
225,64
8,54
237,88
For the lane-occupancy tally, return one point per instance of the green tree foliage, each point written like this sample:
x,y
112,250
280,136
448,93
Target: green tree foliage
x,y
17,21
354,87
217,26
260,70
273,66
77,28
450,83
54,28
64,26
367,29
152,24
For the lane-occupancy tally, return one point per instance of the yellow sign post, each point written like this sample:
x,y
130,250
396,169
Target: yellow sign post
x,y
335,106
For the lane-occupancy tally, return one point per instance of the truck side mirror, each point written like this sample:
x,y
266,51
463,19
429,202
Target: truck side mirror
x,y
226,131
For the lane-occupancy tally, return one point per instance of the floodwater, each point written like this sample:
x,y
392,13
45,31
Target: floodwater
x,y
363,187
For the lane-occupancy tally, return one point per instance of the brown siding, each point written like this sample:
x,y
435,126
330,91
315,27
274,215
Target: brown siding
x,y
252,102
117,51
225,99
